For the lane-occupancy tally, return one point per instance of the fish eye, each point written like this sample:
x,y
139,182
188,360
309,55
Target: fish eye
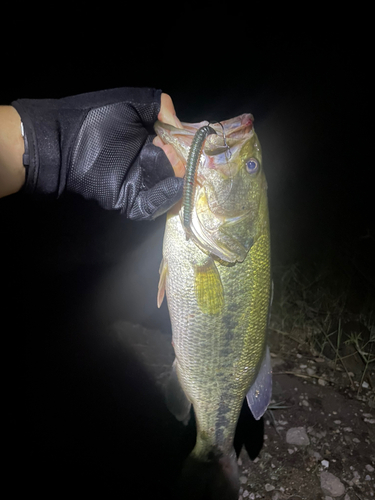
x,y
252,165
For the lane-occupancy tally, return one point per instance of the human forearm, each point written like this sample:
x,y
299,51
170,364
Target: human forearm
x,y
12,171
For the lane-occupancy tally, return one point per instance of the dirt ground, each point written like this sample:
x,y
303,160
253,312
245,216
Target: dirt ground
x,y
335,423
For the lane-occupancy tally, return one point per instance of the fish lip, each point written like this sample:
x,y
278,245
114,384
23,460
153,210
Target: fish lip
x,y
245,124
236,129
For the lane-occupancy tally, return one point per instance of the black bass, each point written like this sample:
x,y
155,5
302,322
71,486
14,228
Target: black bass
x,y
216,275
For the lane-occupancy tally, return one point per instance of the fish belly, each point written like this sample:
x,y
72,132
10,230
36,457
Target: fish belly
x,y
219,348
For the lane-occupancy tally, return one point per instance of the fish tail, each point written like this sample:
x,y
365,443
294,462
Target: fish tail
x,y
214,477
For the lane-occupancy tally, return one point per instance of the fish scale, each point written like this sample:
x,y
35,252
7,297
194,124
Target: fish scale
x,y
209,365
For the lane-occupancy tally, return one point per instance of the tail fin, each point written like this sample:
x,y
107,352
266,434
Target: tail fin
x,y
213,478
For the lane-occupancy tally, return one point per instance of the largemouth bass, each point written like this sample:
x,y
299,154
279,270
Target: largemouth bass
x,y
216,275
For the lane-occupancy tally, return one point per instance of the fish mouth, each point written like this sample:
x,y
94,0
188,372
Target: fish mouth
x,y
234,128
232,132
218,148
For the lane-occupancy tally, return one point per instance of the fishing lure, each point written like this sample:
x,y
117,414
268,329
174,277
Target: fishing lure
x,y
191,166
194,156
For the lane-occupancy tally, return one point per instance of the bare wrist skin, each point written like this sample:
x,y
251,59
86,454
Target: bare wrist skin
x,y
12,171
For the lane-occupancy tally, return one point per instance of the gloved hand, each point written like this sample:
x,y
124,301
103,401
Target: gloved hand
x,y
99,145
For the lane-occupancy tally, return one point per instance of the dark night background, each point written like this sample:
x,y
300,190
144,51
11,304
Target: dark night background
x,y
77,406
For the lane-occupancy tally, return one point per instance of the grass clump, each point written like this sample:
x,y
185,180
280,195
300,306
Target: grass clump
x,y
330,307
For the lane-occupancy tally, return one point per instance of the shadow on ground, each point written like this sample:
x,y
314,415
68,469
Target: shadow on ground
x,y
85,356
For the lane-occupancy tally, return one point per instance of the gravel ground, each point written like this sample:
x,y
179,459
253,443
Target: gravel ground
x,y
320,443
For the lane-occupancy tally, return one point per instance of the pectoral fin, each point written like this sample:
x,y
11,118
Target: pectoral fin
x,y
163,270
177,402
259,395
208,288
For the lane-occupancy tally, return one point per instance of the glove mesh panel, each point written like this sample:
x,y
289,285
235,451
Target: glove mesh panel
x,y
110,137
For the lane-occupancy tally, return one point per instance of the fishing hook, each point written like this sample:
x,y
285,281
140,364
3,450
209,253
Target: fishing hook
x,y
228,153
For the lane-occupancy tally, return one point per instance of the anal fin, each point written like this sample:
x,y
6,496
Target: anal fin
x,y
260,392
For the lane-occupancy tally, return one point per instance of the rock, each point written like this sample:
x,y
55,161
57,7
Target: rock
x,y
297,436
269,487
356,476
370,468
331,485
325,463
316,455
243,479
321,382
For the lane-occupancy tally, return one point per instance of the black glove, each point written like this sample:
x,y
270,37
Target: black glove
x,y
99,146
